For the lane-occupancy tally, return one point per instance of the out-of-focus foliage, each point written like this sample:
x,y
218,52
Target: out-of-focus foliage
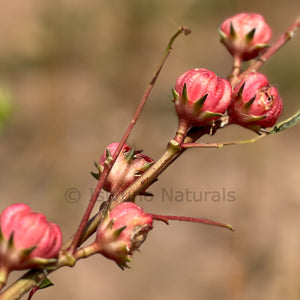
x,y
6,107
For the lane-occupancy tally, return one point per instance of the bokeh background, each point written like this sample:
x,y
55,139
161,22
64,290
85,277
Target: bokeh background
x,y
75,71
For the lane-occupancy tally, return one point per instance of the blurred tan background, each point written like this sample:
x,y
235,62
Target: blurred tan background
x,y
76,71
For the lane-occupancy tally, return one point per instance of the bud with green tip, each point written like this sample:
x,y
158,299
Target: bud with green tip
x,y
245,35
201,97
27,240
256,104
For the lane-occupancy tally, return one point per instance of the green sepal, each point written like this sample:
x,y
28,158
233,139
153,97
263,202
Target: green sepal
x,y
286,124
232,33
253,119
45,263
108,156
110,224
260,46
185,97
130,155
257,118
11,240
249,36
99,167
210,114
249,103
45,283
241,89
1,236
199,103
26,252
105,211
123,266
175,95
145,167
117,232
96,175
222,35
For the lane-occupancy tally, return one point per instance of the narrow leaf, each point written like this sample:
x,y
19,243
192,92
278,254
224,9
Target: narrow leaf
x,y
286,124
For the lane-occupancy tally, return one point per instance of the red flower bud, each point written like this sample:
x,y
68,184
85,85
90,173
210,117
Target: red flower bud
x,y
201,97
255,103
27,239
122,232
129,165
245,35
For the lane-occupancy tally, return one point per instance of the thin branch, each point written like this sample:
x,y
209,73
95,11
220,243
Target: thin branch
x,y
166,219
220,145
107,168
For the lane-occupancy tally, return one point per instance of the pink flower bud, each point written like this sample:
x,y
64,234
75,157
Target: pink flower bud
x,y
245,35
26,237
255,103
129,165
122,232
201,97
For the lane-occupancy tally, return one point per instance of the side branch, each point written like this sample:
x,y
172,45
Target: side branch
x,y
283,39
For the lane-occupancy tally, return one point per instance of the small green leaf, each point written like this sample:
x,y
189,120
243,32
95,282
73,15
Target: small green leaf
x,y
286,124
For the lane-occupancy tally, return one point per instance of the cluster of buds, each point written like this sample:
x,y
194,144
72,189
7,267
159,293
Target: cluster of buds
x,y
129,165
201,98
27,240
